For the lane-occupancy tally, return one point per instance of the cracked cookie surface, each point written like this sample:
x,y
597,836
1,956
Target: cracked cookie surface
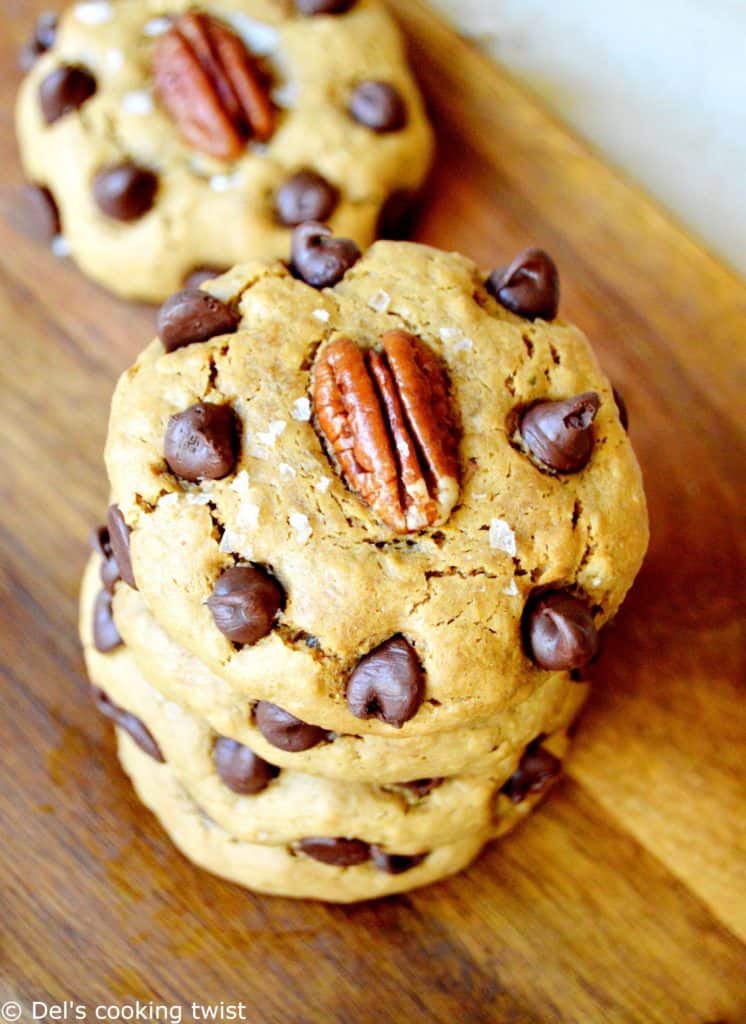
x,y
142,236
455,591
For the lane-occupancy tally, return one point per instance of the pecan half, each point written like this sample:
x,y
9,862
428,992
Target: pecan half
x,y
390,422
211,86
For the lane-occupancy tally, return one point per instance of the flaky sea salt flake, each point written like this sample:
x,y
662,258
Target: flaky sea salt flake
x,y
269,437
380,301
322,315
502,537
139,102
302,409
300,526
93,12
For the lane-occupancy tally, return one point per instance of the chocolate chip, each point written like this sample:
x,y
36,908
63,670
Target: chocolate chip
x,y
340,853
240,768
131,724
421,787
529,286
284,730
398,215
244,603
378,106
559,435
202,442
395,863
119,539
105,633
41,216
320,259
125,191
109,570
191,316
323,6
538,767
305,196
200,275
42,39
621,406
558,630
63,90
387,684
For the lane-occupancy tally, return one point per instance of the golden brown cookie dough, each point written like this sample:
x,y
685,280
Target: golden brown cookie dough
x,y
191,209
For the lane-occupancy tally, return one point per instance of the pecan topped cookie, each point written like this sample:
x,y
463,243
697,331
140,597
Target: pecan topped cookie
x,y
164,140
384,497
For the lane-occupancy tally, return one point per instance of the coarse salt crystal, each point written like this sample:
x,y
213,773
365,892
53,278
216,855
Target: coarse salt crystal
x,y
195,498
300,526
224,182
60,246
380,301
449,333
502,537
274,430
286,471
302,409
322,315
286,95
323,485
94,12
247,516
240,483
156,26
139,102
172,498
261,39
113,60
511,590
228,542
463,345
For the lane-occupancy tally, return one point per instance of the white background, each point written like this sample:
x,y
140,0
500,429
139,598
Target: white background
x,y
659,87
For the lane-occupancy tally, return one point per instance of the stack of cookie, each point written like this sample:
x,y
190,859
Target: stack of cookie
x,y
368,516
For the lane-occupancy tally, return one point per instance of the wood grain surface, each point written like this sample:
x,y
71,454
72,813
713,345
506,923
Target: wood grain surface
x,y
624,898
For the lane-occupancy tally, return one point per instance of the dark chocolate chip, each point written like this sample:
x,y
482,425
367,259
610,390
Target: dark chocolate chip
x,y
421,787
41,216
125,191
131,724
202,442
621,406
284,730
320,259
558,630
240,768
388,683
42,39
305,196
559,435
529,286
191,316
538,767
63,90
200,275
323,6
378,106
105,633
109,571
244,603
398,215
395,863
119,539
340,853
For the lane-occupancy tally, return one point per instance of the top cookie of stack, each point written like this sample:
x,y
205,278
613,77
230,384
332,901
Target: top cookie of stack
x,y
391,506
170,138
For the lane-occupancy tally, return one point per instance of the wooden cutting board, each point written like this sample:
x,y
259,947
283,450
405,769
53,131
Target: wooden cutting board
x,y
624,898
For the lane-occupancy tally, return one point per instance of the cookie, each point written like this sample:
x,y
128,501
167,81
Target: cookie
x,y
393,505
289,871
481,750
164,141
257,802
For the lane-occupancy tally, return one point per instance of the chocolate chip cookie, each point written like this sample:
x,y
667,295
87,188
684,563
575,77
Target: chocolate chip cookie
x,y
163,143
